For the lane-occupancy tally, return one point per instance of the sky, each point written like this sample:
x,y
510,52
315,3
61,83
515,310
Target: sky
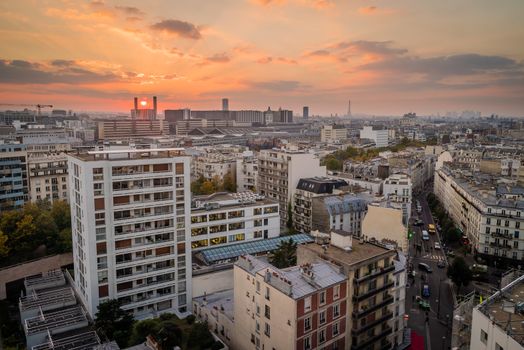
x,y
388,56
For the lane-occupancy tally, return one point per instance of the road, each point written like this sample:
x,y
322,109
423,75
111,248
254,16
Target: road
x,y
437,331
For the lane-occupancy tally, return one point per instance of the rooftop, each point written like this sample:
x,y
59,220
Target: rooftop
x,y
83,341
53,298
344,204
129,153
233,251
360,251
56,321
320,184
506,309
228,200
223,301
296,281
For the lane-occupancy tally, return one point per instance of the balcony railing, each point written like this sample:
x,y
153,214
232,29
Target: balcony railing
x,y
376,272
361,329
359,297
365,310
374,339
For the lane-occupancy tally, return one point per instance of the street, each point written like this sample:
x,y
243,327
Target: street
x,y
437,331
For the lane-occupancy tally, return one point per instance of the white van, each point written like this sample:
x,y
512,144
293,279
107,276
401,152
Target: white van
x,y
425,235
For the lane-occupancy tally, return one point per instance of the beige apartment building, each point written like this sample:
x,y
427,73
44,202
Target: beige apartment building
x,y
279,171
301,307
370,269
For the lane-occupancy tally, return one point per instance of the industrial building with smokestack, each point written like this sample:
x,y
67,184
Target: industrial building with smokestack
x,y
142,111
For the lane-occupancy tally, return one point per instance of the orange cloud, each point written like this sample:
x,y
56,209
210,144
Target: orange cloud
x,y
374,10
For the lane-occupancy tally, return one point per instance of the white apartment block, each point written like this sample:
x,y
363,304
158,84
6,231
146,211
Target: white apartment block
x,y
490,215
497,322
48,178
211,165
279,171
247,172
397,189
333,133
380,137
222,219
130,214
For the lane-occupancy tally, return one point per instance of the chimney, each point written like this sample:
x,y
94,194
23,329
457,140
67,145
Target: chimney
x,y
154,106
136,103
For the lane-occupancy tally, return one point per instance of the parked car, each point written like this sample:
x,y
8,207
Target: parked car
x,y
419,222
425,267
425,291
437,245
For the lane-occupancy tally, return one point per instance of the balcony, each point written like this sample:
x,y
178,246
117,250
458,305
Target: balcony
x,y
366,295
374,339
375,273
372,324
363,312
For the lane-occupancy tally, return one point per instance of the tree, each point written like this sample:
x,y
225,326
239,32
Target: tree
x,y
200,338
459,273
207,187
289,223
61,213
285,255
22,237
142,329
228,183
169,335
4,247
114,322
333,164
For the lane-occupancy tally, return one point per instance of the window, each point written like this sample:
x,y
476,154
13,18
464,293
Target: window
x,y
267,293
517,224
483,336
307,324
322,317
322,336
307,343
267,312
267,329
336,292
307,304
517,234
336,310
322,297
335,329
488,221
498,347
258,286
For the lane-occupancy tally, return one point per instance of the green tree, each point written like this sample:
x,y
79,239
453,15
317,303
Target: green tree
x,y
65,242
142,329
228,183
333,164
61,213
9,220
200,338
196,186
459,273
207,188
114,322
22,238
4,247
285,255
169,335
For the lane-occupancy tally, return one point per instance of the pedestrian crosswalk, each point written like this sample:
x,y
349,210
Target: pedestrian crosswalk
x,y
435,257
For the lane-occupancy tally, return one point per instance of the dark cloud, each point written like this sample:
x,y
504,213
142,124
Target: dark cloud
x,y
130,11
445,66
24,72
278,85
180,28
376,47
319,53
218,58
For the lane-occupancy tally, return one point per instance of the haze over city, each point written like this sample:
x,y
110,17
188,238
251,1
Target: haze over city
x,y
388,57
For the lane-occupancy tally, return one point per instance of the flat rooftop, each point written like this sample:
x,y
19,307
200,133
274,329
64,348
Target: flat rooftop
x,y
227,200
48,298
506,309
83,341
223,301
360,252
56,320
129,153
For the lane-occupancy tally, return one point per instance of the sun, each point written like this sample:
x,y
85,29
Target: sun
x,y
143,103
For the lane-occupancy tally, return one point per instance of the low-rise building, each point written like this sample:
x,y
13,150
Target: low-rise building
x,y
226,218
247,172
379,136
339,212
301,307
333,133
371,304
397,189
385,224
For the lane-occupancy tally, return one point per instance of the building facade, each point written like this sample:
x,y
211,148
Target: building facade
x,y
13,176
397,189
333,133
247,172
279,171
48,178
130,214
222,219
302,307
380,137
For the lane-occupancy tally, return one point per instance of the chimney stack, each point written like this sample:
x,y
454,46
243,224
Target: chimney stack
x,y
154,106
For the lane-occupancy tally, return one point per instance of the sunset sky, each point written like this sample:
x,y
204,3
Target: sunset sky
x,y
389,57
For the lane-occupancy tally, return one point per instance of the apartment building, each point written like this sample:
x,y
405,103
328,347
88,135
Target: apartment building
x,y
215,163
48,177
123,129
379,136
13,176
333,133
489,214
307,190
130,214
386,225
370,269
496,324
397,189
279,171
226,218
247,172
301,307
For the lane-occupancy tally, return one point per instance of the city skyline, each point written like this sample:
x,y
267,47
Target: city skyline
x,y
388,58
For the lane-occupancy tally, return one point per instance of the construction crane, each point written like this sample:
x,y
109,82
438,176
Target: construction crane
x,y
38,106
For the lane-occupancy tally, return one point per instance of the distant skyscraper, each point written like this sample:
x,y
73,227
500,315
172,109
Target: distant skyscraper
x,y
305,112
225,104
349,108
